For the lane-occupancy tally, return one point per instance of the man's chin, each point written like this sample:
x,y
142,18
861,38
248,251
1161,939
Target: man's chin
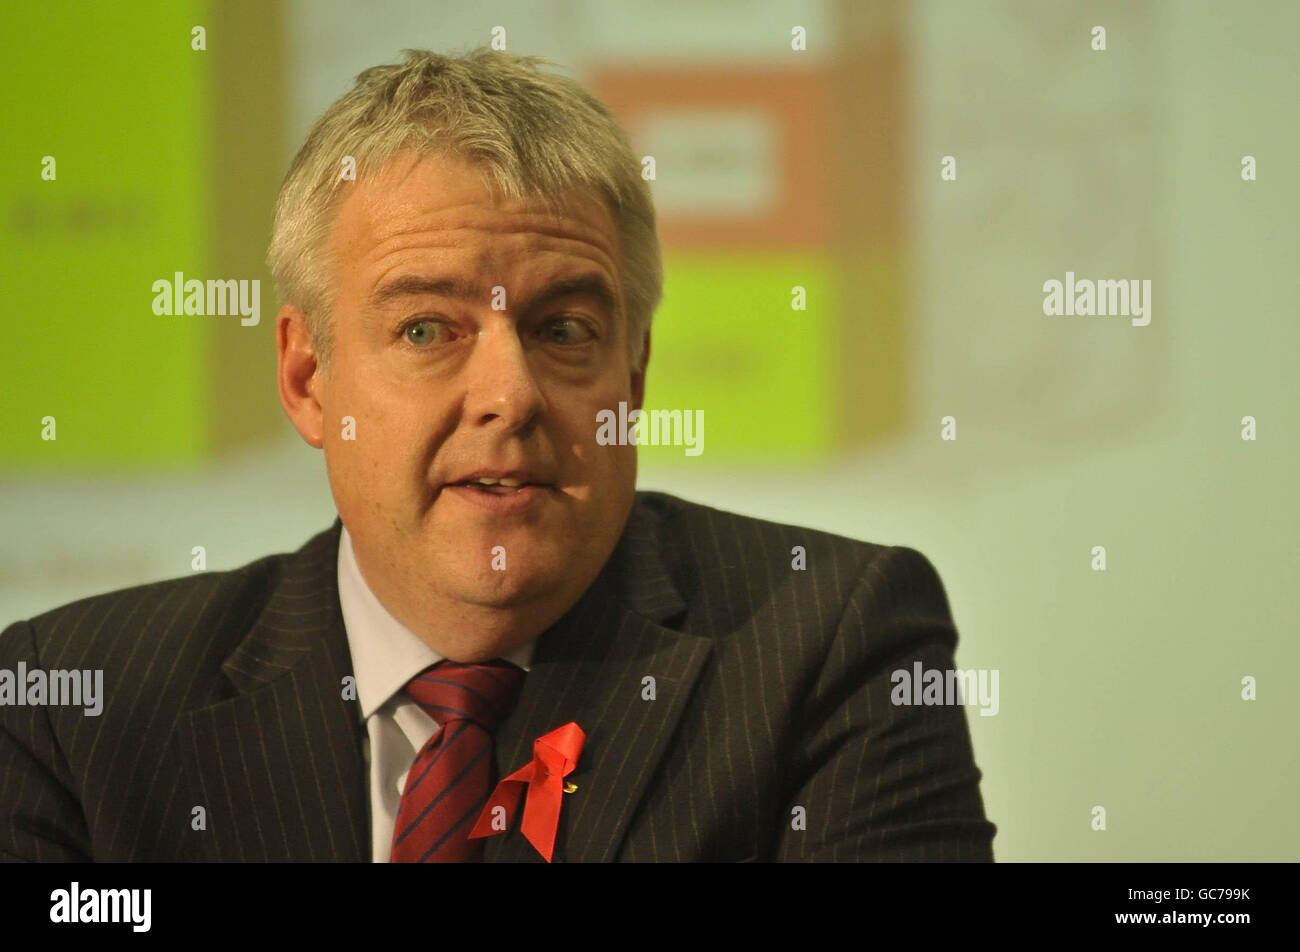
x,y
505,591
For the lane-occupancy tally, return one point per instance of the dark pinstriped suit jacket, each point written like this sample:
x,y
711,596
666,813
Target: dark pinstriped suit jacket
x,y
772,691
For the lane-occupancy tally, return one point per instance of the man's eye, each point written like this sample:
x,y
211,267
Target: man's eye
x,y
565,330
424,331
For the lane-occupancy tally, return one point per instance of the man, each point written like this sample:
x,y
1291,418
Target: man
x,y
469,266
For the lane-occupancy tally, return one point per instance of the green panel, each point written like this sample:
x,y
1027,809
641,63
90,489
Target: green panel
x,y
726,341
117,96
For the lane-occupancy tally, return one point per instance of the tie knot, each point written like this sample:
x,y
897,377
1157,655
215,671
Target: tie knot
x,y
482,693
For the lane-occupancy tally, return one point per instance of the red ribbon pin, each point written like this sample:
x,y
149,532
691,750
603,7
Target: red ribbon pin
x,y
555,755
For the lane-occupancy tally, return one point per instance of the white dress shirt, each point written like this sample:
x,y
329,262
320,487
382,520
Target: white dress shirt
x,y
385,656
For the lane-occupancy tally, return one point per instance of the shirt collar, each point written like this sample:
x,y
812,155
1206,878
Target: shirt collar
x,y
385,653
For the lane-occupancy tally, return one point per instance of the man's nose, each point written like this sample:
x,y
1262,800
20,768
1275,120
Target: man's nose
x,y
502,389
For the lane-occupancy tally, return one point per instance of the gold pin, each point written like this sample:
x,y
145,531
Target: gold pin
x,y
570,787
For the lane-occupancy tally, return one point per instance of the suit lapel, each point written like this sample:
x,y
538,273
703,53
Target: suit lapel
x,y
590,667
279,767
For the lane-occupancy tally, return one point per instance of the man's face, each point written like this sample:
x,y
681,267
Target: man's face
x,y
474,343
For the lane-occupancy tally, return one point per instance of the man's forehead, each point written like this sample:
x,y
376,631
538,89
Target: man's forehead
x,y
418,212
450,193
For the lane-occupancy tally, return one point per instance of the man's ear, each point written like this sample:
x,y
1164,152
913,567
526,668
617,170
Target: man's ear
x,y
638,375
298,375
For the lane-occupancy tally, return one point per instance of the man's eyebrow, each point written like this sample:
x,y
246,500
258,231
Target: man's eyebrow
x,y
589,285
411,285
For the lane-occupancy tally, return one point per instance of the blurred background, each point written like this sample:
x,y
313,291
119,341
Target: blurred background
x,y
776,167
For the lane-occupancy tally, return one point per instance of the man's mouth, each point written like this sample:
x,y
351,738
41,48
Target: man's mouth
x,y
506,486
501,482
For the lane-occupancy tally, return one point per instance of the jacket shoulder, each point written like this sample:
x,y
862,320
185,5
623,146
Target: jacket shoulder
x,y
739,563
157,619
688,524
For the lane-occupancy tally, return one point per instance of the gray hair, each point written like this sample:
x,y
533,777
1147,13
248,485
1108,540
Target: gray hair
x,y
534,134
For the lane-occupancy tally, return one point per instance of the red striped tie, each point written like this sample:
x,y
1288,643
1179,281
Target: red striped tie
x,y
451,778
